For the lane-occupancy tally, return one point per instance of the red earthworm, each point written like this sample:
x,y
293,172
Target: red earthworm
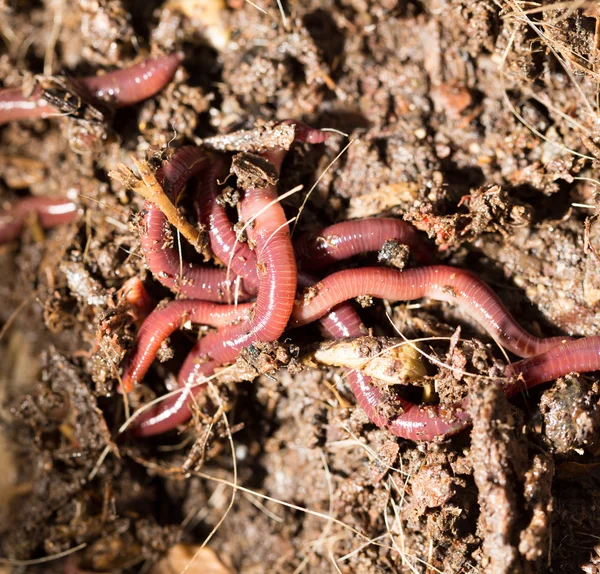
x,y
276,265
163,259
176,409
161,323
135,295
316,251
120,88
277,276
15,105
439,282
414,422
306,134
49,211
580,356
134,84
213,215
222,238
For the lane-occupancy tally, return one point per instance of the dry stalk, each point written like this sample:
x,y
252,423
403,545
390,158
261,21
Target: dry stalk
x,y
146,185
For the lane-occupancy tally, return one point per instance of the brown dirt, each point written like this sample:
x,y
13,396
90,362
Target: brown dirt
x,y
476,121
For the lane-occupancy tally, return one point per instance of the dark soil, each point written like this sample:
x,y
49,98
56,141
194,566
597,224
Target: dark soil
x,y
476,121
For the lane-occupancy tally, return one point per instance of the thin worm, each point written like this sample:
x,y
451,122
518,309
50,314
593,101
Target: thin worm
x,y
580,356
49,211
134,84
438,282
222,238
120,88
162,323
315,251
164,260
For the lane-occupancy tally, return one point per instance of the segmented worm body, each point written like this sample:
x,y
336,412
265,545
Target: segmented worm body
x,y
439,282
343,240
580,356
222,238
136,296
118,89
48,211
133,84
162,323
412,421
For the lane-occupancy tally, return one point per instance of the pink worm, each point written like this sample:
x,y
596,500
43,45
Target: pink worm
x,y
119,89
49,211
162,323
343,240
438,282
163,259
580,356
222,237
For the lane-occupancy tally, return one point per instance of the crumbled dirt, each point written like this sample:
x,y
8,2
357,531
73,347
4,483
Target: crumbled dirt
x,y
476,121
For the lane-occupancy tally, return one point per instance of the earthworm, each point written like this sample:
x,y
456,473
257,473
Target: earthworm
x,y
49,211
213,215
180,276
438,282
120,88
414,422
276,265
307,134
134,84
580,356
162,323
316,251
222,238
137,298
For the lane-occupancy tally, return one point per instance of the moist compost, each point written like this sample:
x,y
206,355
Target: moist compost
x,y
475,121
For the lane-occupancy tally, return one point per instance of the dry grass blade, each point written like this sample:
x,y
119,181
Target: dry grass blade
x,y
257,7
439,363
288,505
253,218
45,559
15,313
555,48
219,402
321,176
